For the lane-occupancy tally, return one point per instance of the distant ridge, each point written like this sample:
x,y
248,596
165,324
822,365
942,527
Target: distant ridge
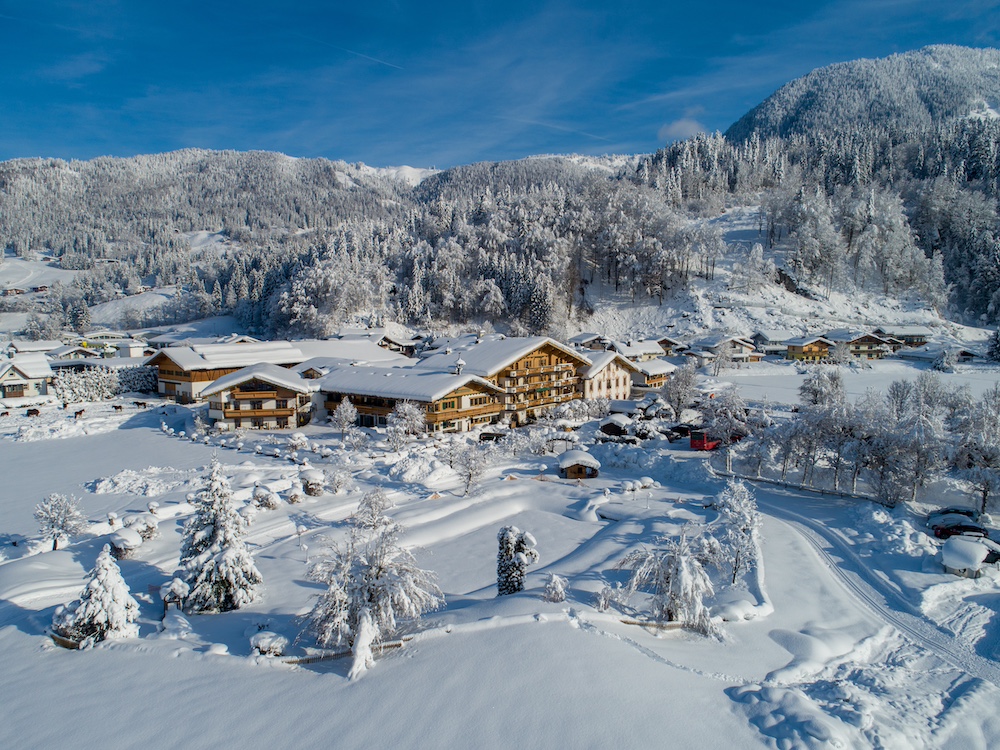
x,y
912,90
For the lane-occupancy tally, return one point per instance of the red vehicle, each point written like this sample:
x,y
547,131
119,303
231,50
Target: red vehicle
x,y
700,441
961,529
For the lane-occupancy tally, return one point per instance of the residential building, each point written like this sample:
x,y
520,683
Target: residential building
x,y
861,344
609,375
909,335
261,396
652,373
25,375
637,351
773,340
808,348
671,346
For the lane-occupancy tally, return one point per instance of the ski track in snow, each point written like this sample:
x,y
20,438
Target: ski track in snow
x,y
879,597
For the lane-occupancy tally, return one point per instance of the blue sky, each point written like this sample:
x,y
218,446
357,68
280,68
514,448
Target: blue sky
x,y
425,83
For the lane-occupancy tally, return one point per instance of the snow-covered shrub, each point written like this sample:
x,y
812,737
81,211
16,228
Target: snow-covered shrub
x,y
215,561
59,516
112,519
338,481
265,498
104,610
295,493
344,416
297,442
555,588
152,506
145,524
371,510
516,550
124,543
313,481
267,643
102,383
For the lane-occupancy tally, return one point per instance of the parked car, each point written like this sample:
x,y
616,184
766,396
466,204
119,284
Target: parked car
x,y
961,529
949,519
952,511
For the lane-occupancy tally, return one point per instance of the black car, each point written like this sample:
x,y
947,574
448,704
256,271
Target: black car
x,y
961,529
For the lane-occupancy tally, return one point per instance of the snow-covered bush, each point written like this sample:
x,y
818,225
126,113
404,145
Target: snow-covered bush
x,y
102,383
265,498
516,550
295,493
145,524
344,416
267,643
313,481
297,442
59,516
338,481
104,610
215,561
124,543
555,588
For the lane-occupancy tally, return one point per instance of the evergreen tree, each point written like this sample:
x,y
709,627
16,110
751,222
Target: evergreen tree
x,y
993,350
516,551
215,562
105,609
741,539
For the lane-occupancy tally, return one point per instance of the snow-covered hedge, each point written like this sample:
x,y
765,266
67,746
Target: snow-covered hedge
x,y
100,383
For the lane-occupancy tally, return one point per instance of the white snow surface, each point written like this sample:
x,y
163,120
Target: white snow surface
x,y
848,635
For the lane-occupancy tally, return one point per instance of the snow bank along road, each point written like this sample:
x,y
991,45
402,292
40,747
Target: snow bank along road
x,y
876,594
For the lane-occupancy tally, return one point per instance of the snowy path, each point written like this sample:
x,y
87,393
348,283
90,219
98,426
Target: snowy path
x,y
878,595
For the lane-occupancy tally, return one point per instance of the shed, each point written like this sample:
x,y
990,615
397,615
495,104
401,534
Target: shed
x,y
616,424
965,557
578,464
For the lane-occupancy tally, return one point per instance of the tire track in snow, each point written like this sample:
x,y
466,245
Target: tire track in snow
x,y
880,598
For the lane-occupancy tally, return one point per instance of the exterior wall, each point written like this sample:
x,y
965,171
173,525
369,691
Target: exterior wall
x,y
578,472
258,406
641,380
869,347
614,382
460,411
15,385
809,353
182,385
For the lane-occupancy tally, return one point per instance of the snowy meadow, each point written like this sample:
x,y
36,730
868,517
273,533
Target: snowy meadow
x,y
833,626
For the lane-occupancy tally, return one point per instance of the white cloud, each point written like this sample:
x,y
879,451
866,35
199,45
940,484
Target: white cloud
x,y
685,127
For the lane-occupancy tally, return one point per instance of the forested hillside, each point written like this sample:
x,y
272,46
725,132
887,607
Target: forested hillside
x,y
907,212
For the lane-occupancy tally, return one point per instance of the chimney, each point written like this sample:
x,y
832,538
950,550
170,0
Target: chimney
x,y
459,364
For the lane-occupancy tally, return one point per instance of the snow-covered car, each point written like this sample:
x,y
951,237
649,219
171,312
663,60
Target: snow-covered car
x,y
934,515
949,519
961,529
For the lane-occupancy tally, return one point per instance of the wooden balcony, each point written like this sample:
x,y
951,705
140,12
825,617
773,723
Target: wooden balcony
x,y
453,414
251,413
253,395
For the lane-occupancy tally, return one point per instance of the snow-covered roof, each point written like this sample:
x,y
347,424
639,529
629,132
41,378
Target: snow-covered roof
x,y
600,360
27,347
847,335
62,352
403,383
222,356
183,338
806,340
655,367
493,353
279,376
31,366
930,352
578,458
109,363
583,338
893,330
715,340
643,348
619,420
353,349
670,340
960,553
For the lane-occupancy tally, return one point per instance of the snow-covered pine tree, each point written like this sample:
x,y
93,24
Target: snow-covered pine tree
x,y
59,516
516,551
993,349
741,539
215,561
344,416
104,610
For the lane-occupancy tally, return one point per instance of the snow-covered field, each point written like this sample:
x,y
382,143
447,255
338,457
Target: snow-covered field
x,y
869,643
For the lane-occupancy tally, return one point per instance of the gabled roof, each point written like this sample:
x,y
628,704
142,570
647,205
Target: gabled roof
x,y
224,356
63,352
806,340
717,339
494,353
359,350
637,348
26,347
273,374
29,366
600,360
670,340
402,383
848,335
655,367
892,330
583,339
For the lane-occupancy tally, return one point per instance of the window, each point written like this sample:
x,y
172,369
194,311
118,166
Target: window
x,y
282,421
281,403
256,405
237,423
447,405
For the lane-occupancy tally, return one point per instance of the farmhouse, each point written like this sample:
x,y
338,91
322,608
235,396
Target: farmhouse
x,y
671,346
739,348
25,375
652,373
772,340
262,396
452,401
637,351
909,335
577,464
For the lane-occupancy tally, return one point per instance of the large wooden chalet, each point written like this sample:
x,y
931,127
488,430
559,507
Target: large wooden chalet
x,y
534,373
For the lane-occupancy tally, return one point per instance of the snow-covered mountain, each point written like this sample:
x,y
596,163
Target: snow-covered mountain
x,y
913,90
